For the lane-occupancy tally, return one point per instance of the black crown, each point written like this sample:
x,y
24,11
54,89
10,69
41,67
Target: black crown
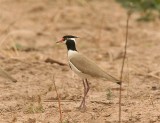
x,y
69,36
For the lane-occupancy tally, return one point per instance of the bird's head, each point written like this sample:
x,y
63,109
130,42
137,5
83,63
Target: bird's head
x,y
67,38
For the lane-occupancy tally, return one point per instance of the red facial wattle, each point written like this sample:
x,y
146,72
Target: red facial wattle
x,y
60,41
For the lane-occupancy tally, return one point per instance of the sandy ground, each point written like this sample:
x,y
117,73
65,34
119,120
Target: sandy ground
x,y
28,32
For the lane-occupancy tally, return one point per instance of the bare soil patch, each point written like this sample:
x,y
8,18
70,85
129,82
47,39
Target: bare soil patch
x,y
28,32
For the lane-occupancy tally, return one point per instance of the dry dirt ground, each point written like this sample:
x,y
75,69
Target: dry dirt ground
x,y
28,32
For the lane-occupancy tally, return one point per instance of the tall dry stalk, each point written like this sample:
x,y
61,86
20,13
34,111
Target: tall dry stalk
x,y
123,61
128,86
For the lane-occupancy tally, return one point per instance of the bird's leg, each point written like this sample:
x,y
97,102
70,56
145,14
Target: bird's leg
x,y
84,94
87,86
86,89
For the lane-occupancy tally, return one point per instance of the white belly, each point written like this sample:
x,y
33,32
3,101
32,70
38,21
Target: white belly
x,y
74,69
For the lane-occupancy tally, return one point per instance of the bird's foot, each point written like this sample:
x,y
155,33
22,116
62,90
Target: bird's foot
x,y
82,108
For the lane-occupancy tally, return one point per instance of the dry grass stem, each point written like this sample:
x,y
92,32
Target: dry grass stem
x,y
6,75
59,101
128,80
121,75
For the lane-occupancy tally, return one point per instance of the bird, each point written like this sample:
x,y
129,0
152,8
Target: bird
x,y
83,66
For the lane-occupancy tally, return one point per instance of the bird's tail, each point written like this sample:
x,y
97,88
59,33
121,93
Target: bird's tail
x,y
113,79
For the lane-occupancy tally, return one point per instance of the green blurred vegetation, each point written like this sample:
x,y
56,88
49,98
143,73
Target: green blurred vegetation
x,y
148,8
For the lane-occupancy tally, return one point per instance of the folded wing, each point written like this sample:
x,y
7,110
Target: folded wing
x,y
86,66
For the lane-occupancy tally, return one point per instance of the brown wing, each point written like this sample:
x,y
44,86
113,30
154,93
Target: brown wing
x,y
86,66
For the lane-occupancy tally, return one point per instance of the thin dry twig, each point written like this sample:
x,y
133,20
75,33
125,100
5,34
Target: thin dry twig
x,y
101,102
2,40
4,74
59,101
153,74
121,76
49,60
128,77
